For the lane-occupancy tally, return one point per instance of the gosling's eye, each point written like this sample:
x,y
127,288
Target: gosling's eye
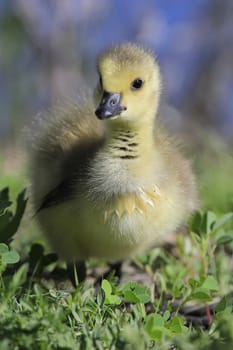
x,y
136,84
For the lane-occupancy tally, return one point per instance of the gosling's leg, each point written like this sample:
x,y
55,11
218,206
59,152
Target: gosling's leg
x,y
77,272
115,269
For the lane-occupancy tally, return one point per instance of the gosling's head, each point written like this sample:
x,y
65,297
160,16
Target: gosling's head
x,y
129,84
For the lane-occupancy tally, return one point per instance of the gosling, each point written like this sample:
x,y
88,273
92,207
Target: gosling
x,y
107,180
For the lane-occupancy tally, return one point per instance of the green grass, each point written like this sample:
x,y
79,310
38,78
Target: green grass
x,y
184,300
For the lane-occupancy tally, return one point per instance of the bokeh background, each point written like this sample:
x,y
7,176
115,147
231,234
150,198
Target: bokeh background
x,y
48,50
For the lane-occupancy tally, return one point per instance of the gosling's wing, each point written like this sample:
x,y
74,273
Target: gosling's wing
x,y
58,195
74,167
62,142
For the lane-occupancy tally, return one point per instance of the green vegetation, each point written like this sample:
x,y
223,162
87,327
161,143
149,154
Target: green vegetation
x,y
183,297
190,306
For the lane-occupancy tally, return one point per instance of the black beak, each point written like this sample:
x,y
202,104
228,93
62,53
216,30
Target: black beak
x,y
109,106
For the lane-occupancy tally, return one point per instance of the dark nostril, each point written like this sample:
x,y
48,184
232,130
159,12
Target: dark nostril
x,y
113,102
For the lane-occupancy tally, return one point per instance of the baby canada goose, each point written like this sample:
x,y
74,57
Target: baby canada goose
x,y
107,181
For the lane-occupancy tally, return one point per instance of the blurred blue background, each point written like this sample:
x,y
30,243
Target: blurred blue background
x,y
48,50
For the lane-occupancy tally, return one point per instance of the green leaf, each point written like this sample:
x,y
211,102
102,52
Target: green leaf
x,y
166,315
110,298
222,221
225,305
4,200
106,286
113,300
136,293
201,294
178,286
100,297
194,283
210,283
195,237
195,222
175,325
155,326
3,206
7,232
158,320
130,297
10,257
19,278
4,194
225,239
209,218
3,248
5,219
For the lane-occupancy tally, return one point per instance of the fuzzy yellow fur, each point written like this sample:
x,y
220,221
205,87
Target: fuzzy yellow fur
x,y
130,186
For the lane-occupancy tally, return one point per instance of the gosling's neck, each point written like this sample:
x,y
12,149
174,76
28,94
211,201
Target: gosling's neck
x,y
126,162
131,148
129,141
